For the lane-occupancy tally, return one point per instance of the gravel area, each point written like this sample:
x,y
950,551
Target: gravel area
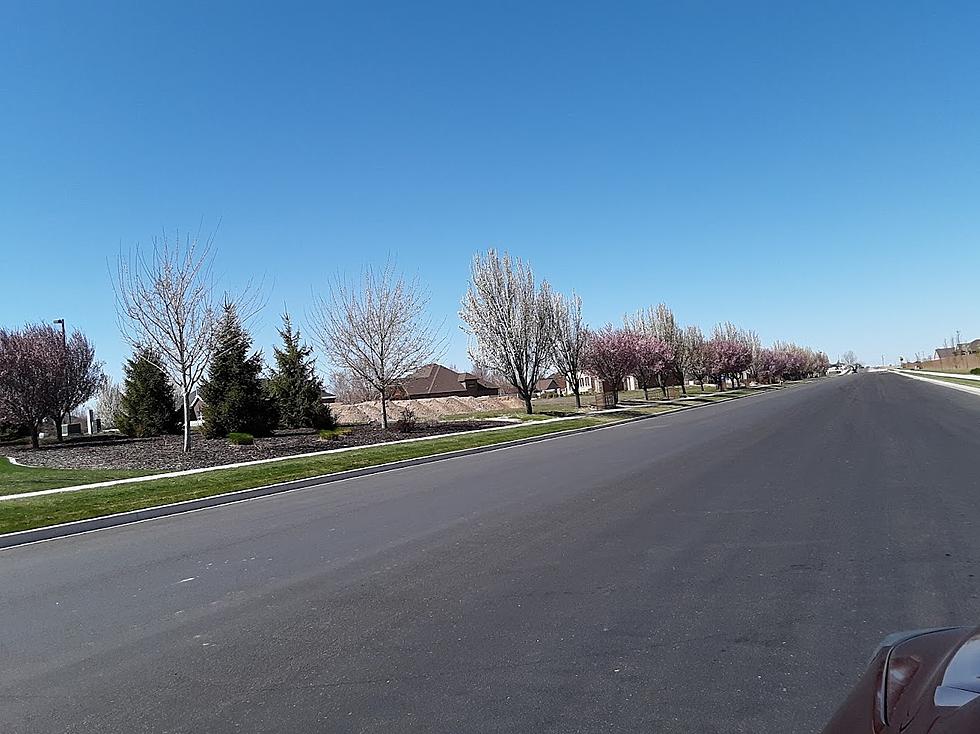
x,y
163,452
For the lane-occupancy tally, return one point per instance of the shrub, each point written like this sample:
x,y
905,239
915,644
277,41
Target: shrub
x,y
324,418
12,433
407,422
241,439
333,434
975,371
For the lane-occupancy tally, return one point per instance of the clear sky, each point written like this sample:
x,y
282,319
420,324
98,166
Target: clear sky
x,y
809,170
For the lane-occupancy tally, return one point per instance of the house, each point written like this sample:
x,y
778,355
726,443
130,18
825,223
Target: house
x,y
547,386
437,381
590,383
960,350
197,405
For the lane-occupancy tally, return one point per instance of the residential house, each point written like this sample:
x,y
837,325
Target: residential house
x,y
960,350
590,383
552,385
437,381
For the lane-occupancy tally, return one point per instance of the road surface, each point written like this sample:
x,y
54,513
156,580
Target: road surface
x,y
726,569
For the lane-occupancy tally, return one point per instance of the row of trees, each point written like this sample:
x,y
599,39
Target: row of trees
x,y
521,329
729,354
44,376
238,392
375,330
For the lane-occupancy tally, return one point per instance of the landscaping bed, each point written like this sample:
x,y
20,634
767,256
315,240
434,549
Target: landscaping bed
x,y
162,453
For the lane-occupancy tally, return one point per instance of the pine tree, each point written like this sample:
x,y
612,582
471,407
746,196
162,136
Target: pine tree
x,y
234,400
149,404
294,385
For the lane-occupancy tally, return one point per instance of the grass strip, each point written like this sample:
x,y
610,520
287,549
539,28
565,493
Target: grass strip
x,y
17,479
53,509
954,380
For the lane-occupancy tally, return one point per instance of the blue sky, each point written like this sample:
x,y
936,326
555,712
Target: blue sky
x,y
809,171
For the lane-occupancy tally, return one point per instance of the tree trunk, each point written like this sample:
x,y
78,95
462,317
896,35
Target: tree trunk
x,y
187,423
646,393
683,386
384,411
660,379
35,442
527,404
578,395
57,427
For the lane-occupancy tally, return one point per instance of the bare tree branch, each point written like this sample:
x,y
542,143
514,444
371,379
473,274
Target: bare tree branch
x,y
166,299
570,335
377,328
510,320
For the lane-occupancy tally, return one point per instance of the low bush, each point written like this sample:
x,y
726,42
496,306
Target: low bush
x,y
324,418
975,371
241,439
407,421
332,434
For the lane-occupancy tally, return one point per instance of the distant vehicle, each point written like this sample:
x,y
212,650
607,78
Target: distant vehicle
x,y
918,682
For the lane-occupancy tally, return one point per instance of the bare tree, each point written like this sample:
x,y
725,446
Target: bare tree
x,y
488,376
377,328
81,376
30,382
570,335
349,388
659,322
108,401
696,355
166,300
510,319
848,358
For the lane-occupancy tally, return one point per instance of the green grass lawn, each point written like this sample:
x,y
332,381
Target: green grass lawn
x,y
16,479
968,383
58,508
654,410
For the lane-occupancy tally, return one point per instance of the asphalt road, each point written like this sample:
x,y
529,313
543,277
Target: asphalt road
x,y
726,569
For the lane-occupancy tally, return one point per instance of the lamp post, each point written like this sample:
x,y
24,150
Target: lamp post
x,y
64,364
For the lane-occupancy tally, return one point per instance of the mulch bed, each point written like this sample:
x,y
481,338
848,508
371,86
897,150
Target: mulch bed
x,y
162,453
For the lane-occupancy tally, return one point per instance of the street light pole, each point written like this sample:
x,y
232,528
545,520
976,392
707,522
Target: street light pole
x,y
64,365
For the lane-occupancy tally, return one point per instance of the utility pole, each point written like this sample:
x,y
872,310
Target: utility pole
x,y
64,364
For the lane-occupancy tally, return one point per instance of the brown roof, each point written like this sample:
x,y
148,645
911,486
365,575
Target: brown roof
x,y
434,379
546,383
942,352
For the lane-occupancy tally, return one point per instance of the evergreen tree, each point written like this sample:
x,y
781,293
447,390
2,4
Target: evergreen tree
x,y
294,385
234,401
149,404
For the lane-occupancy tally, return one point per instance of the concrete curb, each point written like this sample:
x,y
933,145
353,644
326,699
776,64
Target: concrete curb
x,y
52,532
